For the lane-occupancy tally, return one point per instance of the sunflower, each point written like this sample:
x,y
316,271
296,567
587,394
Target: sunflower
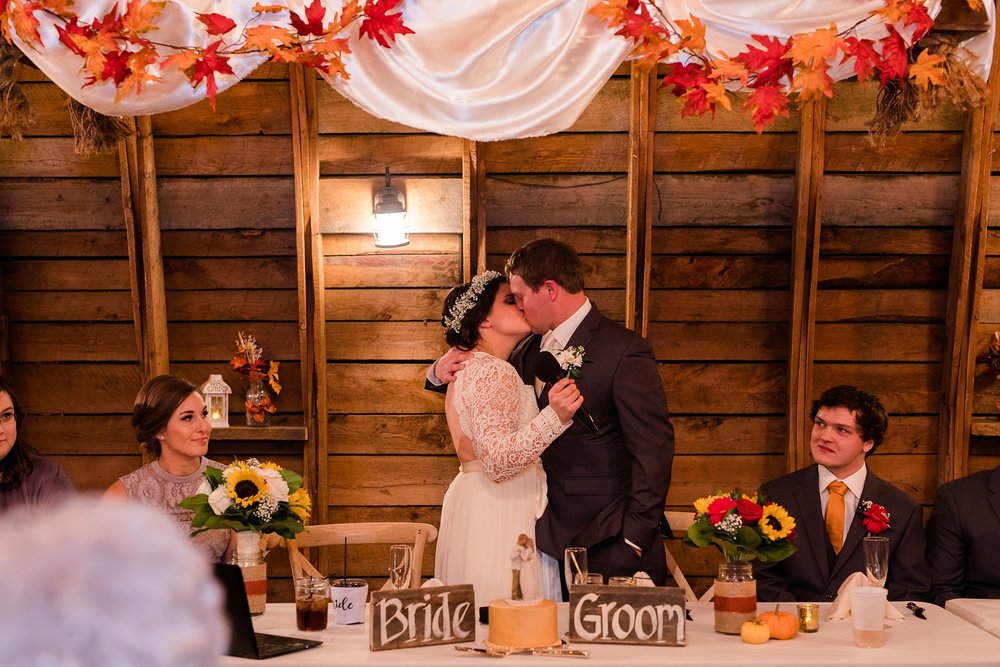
x,y
246,486
775,523
300,504
271,465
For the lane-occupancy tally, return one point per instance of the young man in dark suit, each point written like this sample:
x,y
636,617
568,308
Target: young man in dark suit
x,y
962,538
848,425
606,490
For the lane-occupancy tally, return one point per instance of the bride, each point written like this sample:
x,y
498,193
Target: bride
x,y
498,433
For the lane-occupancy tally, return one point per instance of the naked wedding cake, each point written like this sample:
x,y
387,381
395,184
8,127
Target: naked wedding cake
x,y
525,620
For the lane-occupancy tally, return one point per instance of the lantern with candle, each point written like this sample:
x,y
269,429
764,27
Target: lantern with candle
x,y
216,393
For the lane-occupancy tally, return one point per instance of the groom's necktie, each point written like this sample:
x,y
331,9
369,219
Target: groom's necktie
x,y
549,344
835,514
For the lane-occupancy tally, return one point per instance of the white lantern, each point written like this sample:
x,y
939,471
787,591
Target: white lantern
x,y
216,393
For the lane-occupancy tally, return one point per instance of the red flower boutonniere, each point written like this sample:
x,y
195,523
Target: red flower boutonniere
x,y
874,517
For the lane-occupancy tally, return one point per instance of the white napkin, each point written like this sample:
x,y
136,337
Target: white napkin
x,y
643,579
841,608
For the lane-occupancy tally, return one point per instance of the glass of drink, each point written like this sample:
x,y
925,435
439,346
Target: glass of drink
x,y
312,603
400,558
876,560
621,581
575,565
868,615
595,579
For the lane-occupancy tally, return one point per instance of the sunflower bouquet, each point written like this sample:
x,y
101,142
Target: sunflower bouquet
x,y
250,495
743,527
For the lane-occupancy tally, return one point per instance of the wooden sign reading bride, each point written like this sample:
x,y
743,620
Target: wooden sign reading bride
x,y
422,617
620,615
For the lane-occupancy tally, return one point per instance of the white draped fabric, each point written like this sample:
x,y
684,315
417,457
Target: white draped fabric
x,y
480,69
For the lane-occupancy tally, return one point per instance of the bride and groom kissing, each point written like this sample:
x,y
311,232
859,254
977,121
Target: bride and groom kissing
x,y
603,490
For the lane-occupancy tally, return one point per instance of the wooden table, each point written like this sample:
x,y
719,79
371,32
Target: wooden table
x,y
943,639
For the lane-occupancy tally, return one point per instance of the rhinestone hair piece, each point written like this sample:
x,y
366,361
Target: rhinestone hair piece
x,y
468,299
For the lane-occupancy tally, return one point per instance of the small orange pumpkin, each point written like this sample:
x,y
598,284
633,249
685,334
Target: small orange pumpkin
x,y
754,632
781,624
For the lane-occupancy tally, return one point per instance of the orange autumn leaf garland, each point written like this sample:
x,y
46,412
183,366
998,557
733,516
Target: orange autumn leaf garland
x,y
773,71
120,49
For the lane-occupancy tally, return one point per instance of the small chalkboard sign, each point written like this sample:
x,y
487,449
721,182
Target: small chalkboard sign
x,y
422,617
651,616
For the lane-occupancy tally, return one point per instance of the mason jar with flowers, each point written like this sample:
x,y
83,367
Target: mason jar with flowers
x,y
743,528
254,499
260,374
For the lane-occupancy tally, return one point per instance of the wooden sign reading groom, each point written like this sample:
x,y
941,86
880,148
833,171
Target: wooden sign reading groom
x,y
606,490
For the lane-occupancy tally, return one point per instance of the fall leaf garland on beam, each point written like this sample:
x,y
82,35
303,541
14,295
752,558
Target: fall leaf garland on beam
x,y
771,72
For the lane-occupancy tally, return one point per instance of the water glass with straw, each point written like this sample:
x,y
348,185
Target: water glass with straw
x,y
575,564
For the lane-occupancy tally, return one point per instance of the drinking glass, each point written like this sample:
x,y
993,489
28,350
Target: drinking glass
x,y
575,565
868,615
400,559
876,560
312,603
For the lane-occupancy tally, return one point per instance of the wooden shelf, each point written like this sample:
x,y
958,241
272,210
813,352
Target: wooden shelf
x,y
289,433
986,426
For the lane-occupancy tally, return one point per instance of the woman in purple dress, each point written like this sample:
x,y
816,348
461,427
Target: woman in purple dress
x,y
26,478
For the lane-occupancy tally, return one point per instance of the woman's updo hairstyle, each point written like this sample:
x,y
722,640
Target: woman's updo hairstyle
x,y
154,405
466,306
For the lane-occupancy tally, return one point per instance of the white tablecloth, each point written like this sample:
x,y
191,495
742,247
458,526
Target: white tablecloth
x,y
981,613
943,639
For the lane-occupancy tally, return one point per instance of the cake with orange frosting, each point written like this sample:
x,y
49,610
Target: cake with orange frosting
x,y
515,624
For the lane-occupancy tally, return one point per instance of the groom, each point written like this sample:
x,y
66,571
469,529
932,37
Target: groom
x,y
606,490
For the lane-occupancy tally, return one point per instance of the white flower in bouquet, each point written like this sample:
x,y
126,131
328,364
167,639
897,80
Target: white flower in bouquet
x,y
218,499
277,485
571,360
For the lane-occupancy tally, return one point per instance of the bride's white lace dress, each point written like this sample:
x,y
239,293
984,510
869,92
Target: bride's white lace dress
x,y
498,495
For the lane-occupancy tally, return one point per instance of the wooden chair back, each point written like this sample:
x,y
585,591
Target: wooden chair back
x,y
679,523
379,532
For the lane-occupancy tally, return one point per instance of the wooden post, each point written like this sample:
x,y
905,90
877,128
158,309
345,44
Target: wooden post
x,y
142,226
639,212
473,209
805,263
965,283
312,311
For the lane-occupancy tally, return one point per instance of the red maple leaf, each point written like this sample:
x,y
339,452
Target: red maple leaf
x,y
217,24
382,26
313,25
865,56
116,66
66,35
895,58
770,63
636,23
684,78
696,103
206,67
767,102
920,19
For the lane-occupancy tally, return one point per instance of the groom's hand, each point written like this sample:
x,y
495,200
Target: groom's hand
x,y
452,362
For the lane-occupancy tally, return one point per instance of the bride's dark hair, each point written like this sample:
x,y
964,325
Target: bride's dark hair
x,y
468,328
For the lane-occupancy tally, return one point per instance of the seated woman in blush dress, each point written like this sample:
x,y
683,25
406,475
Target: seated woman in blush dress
x,y
171,423
26,478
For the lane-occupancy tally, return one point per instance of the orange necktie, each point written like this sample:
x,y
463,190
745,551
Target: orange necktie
x,y
835,514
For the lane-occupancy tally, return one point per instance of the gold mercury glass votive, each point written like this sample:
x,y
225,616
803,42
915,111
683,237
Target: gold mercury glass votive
x,y
808,617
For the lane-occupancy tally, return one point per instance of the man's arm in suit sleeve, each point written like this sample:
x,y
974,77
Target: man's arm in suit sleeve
x,y
908,575
649,438
772,578
946,549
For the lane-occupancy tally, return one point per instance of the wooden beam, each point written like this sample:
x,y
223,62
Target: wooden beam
x,y
965,282
142,226
639,210
310,285
473,209
805,263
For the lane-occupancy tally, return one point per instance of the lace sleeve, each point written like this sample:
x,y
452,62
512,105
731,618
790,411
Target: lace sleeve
x,y
489,397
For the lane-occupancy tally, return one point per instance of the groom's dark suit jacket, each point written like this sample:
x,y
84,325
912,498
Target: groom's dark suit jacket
x,y
814,572
612,484
962,538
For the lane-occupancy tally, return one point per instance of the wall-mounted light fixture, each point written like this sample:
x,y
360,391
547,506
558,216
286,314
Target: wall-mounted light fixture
x,y
390,217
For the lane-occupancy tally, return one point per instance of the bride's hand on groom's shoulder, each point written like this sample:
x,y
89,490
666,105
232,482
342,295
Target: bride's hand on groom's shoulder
x,y
452,362
565,399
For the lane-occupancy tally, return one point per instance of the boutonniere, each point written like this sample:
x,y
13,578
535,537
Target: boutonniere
x,y
571,360
874,517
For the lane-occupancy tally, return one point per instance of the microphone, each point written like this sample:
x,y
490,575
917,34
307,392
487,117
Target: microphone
x,y
548,370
